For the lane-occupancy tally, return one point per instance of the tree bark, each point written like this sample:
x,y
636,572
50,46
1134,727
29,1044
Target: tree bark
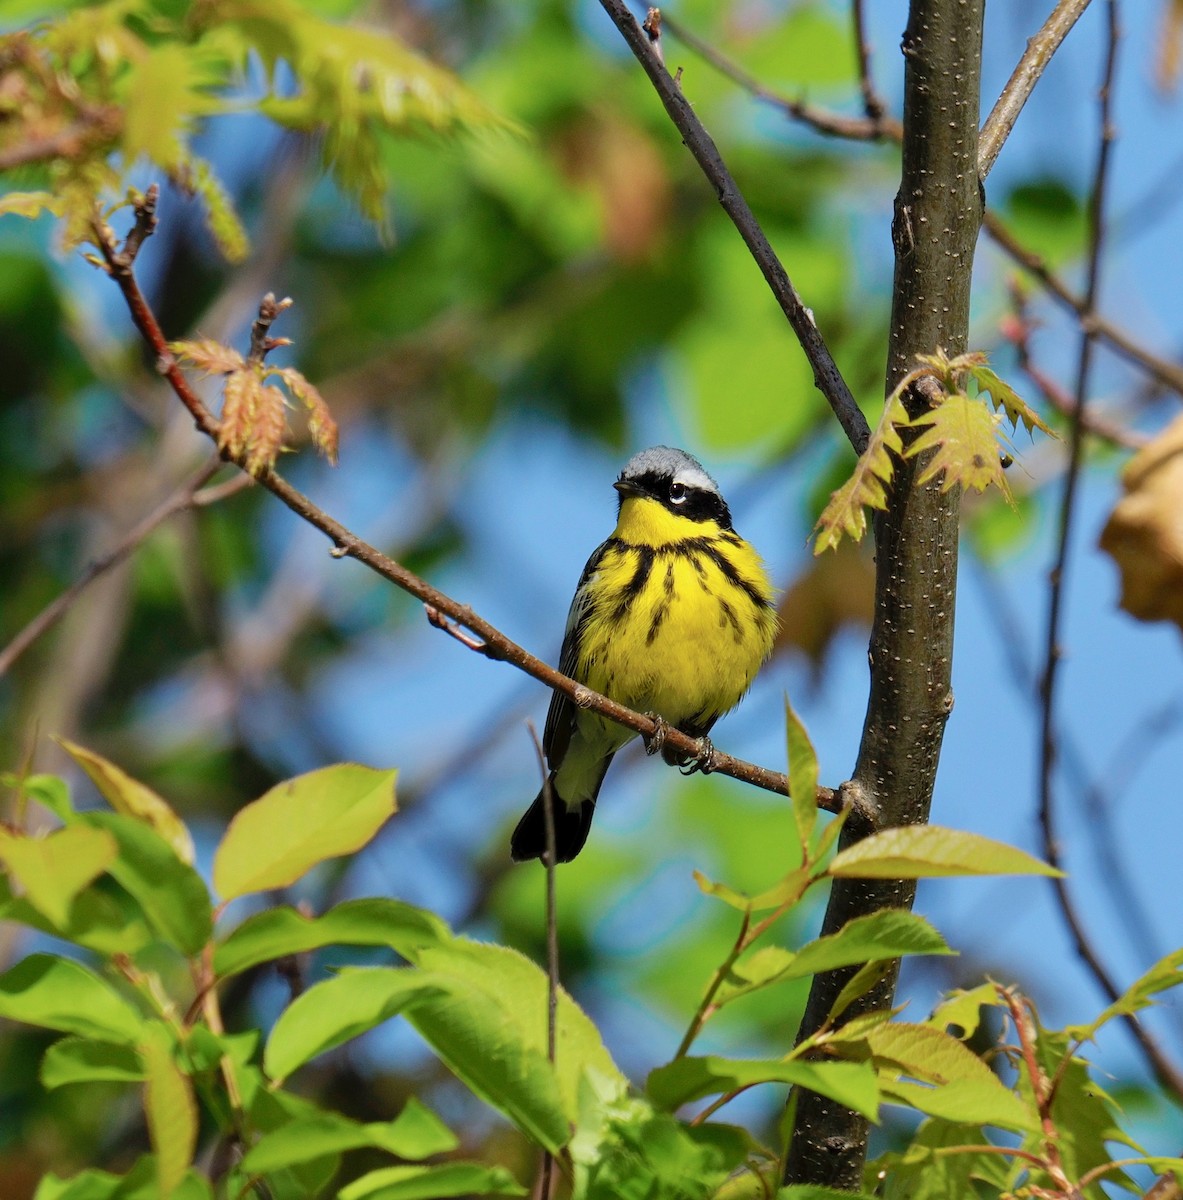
x,y
937,217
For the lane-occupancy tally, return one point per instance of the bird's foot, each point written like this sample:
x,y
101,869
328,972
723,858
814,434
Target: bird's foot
x,y
655,742
703,760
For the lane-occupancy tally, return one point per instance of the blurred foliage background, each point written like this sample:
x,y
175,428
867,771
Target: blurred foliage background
x,y
551,286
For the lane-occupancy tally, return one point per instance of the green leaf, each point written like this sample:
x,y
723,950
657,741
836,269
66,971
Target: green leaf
x,y
433,1183
277,932
1002,395
48,790
919,1173
518,989
324,814
140,1183
889,933
53,870
81,1060
132,798
415,1133
803,773
857,986
170,1110
956,1083
56,993
341,1008
1165,974
722,892
927,851
103,920
963,1008
851,1084
28,204
171,894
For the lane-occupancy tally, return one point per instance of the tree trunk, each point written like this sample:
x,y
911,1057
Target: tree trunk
x,y
937,216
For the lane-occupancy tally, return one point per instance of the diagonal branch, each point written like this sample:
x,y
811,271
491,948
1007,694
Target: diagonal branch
x,y
188,495
826,375
485,638
1021,84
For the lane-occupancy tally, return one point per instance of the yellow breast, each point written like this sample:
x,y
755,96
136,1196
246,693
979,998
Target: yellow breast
x,y
681,616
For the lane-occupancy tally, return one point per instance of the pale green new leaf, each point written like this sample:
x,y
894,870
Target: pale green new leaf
x,y
928,851
963,1008
170,1110
845,514
963,436
324,814
857,986
851,1084
28,204
52,870
374,921
816,1191
954,1082
803,772
1165,974
921,1173
132,798
56,993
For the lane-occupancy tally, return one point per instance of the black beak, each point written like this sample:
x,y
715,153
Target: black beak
x,y
626,487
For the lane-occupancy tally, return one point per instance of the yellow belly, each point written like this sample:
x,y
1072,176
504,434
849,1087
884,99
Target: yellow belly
x,y
688,643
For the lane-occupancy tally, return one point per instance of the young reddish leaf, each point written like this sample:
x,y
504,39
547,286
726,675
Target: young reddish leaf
x,y
209,356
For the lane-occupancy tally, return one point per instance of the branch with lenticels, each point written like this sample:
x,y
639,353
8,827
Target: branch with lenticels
x,y
456,619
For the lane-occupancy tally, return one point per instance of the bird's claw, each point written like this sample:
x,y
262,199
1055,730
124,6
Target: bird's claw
x,y
703,760
655,742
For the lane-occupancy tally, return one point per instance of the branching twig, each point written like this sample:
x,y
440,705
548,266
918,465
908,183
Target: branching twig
x,y
187,496
826,375
489,640
1166,1072
873,104
1025,76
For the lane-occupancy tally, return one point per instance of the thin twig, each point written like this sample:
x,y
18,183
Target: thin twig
x,y
546,1174
1167,1073
873,104
486,637
1025,76
185,497
826,375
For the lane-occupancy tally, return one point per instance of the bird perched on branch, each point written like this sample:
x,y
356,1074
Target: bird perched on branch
x,y
672,617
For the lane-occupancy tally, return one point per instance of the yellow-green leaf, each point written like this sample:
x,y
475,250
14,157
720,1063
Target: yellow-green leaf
x,y
1002,395
802,776
926,851
134,799
53,870
28,204
170,1109
963,435
323,814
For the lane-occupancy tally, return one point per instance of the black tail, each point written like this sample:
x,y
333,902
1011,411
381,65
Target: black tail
x,y
571,828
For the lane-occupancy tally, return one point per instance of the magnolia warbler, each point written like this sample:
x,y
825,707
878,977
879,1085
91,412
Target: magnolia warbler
x,y
673,616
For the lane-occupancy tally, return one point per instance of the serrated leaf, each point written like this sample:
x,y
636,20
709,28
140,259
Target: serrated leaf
x,y
55,993
851,1084
277,932
963,436
221,219
160,103
321,426
432,1183
170,893
324,814
930,851
954,1083
83,1060
920,1173
29,204
845,513
132,798
1165,974
963,1008
208,355
170,1110
52,870
1002,395
803,772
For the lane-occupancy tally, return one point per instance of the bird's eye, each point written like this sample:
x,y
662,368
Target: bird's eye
x,y
678,493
